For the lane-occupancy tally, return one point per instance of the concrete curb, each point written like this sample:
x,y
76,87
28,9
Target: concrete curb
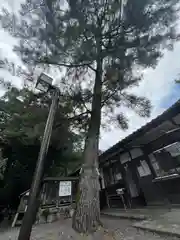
x,y
161,231
124,216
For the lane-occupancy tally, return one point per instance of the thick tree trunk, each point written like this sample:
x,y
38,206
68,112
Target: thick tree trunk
x,y
86,218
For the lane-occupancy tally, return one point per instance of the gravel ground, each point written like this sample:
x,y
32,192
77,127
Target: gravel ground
x,y
114,229
123,231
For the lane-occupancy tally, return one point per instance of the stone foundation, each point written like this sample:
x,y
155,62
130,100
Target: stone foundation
x,y
52,214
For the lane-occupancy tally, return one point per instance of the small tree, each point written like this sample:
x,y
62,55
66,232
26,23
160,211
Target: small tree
x,y
102,44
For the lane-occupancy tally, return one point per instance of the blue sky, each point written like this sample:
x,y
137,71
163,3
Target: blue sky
x,y
157,85
172,97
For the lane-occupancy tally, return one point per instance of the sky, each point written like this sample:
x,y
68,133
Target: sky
x,y
158,84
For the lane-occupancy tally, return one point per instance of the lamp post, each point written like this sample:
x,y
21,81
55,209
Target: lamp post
x,y
44,83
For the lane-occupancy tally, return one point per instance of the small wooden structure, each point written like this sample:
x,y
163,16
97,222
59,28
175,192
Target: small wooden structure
x,y
59,191
21,208
57,194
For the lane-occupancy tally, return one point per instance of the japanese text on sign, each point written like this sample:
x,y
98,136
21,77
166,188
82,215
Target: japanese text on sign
x,y
65,188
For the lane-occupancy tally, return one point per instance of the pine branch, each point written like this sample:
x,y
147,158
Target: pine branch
x,y
77,117
71,65
110,95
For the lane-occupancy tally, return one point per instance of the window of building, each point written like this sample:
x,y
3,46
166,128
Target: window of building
x,y
155,164
116,169
102,178
112,173
125,157
143,169
108,176
136,152
166,161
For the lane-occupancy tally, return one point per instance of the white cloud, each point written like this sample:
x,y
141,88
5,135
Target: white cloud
x,y
13,5
6,45
156,85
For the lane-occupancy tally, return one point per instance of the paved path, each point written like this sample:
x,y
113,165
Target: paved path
x,y
118,229
160,220
124,231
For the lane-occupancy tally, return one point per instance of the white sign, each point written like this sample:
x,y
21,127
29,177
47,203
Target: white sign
x,y
144,169
65,188
141,171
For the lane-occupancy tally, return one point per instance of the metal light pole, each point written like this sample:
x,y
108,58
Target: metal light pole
x,y
30,214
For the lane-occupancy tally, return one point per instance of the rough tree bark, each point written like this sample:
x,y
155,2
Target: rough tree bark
x,y
86,218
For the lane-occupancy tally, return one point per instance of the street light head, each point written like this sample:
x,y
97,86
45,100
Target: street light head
x,y
44,82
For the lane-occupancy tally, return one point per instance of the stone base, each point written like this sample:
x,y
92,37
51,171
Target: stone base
x,y
52,218
55,213
71,213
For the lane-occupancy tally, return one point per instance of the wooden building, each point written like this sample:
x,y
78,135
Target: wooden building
x,y
146,164
57,196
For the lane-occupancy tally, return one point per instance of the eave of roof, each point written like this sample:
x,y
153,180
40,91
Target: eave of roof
x,y
24,192
48,179
170,112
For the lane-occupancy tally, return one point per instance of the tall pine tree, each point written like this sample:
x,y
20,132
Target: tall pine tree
x,y
102,44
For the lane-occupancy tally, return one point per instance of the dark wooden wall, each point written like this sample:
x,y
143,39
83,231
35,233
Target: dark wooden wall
x,y
155,193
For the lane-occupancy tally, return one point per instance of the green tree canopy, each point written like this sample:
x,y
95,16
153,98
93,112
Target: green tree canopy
x,y
23,115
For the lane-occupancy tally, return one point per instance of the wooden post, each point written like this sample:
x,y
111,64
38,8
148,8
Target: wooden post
x,y
30,214
107,199
15,219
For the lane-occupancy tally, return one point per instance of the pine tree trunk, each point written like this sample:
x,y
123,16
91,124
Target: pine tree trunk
x,y
86,218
